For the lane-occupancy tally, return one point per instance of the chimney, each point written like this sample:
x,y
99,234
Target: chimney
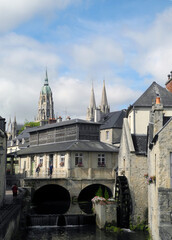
x,y
51,120
68,118
169,82
59,119
157,109
158,101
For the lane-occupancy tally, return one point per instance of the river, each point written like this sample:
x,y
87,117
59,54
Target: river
x,y
79,233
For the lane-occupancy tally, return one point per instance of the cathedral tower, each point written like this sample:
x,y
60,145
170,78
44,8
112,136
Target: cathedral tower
x,y
92,107
96,114
45,105
104,103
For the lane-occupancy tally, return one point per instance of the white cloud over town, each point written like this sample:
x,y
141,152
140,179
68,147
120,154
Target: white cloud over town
x,y
98,50
13,13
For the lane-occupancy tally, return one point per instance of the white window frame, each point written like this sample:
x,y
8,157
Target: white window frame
x,y
78,159
101,160
62,160
107,135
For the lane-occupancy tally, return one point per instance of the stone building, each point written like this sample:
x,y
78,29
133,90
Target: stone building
x,y
74,149
45,105
97,113
160,173
3,147
111,127
133,155
13,129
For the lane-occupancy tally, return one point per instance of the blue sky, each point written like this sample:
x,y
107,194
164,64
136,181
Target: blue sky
x,y
128,43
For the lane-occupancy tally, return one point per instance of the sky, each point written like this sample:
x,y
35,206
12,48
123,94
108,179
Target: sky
x,y
127,43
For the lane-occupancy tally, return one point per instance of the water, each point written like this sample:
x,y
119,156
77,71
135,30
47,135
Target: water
x,y
78,233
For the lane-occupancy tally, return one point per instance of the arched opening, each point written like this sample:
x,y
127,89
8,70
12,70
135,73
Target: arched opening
x,y
85,196
51,199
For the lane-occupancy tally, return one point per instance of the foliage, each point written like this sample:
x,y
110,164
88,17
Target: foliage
x,y
140,226
106,194
29,124
151,179
99,193
113,229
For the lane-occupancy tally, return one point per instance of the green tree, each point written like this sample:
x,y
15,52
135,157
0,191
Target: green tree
x,y
106,194
99,193
29,124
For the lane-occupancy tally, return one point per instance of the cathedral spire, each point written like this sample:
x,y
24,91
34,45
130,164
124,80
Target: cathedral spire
x,y
46,104
92,106
92,98
104,103
46,79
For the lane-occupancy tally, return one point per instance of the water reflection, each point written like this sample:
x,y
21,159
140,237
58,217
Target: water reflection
x,y
78,233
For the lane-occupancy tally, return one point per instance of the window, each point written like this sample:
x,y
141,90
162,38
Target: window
x,y
50,159
79,159
101,160
62,160
41,160
107,135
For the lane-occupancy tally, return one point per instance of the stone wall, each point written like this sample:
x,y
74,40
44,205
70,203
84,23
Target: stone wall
x,y
105,214
134,166
165,213
11,215
3,148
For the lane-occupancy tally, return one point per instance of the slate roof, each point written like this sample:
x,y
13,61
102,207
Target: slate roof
x,y
84,146
149,96
113,120
63,123
140,144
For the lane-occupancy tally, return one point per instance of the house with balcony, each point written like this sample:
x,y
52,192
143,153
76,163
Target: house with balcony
x,y
72,147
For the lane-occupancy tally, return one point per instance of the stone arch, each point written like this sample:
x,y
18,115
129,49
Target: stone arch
x,y
51,199
87,193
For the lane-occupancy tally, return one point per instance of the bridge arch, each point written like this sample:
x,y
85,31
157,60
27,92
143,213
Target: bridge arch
x,y
87,193
51,199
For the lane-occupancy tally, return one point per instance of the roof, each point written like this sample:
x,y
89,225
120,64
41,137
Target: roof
x,y
140,144
24,134
84,146
156,135
60,124
113,120
149,96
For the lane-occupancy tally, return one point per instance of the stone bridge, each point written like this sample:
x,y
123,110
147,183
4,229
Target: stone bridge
x,y
67,189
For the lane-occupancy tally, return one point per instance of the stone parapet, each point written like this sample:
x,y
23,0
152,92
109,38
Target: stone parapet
x,y
105,213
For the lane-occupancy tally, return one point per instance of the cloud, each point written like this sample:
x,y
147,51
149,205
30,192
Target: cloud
x,y
153,48
13,13
97,54
23,62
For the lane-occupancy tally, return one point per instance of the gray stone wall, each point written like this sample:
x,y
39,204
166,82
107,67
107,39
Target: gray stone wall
x,y
3,147
165,213
134,166
105,214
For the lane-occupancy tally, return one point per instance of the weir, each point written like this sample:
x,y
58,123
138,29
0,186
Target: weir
x,y
60,220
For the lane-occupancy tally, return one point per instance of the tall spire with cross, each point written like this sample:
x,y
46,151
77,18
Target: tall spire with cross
x,y
45,105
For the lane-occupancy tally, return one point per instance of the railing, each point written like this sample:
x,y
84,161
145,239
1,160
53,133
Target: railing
x,y
45,175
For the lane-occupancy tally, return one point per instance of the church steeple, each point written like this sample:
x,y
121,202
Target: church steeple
x,y
104,103
46,105
92,106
